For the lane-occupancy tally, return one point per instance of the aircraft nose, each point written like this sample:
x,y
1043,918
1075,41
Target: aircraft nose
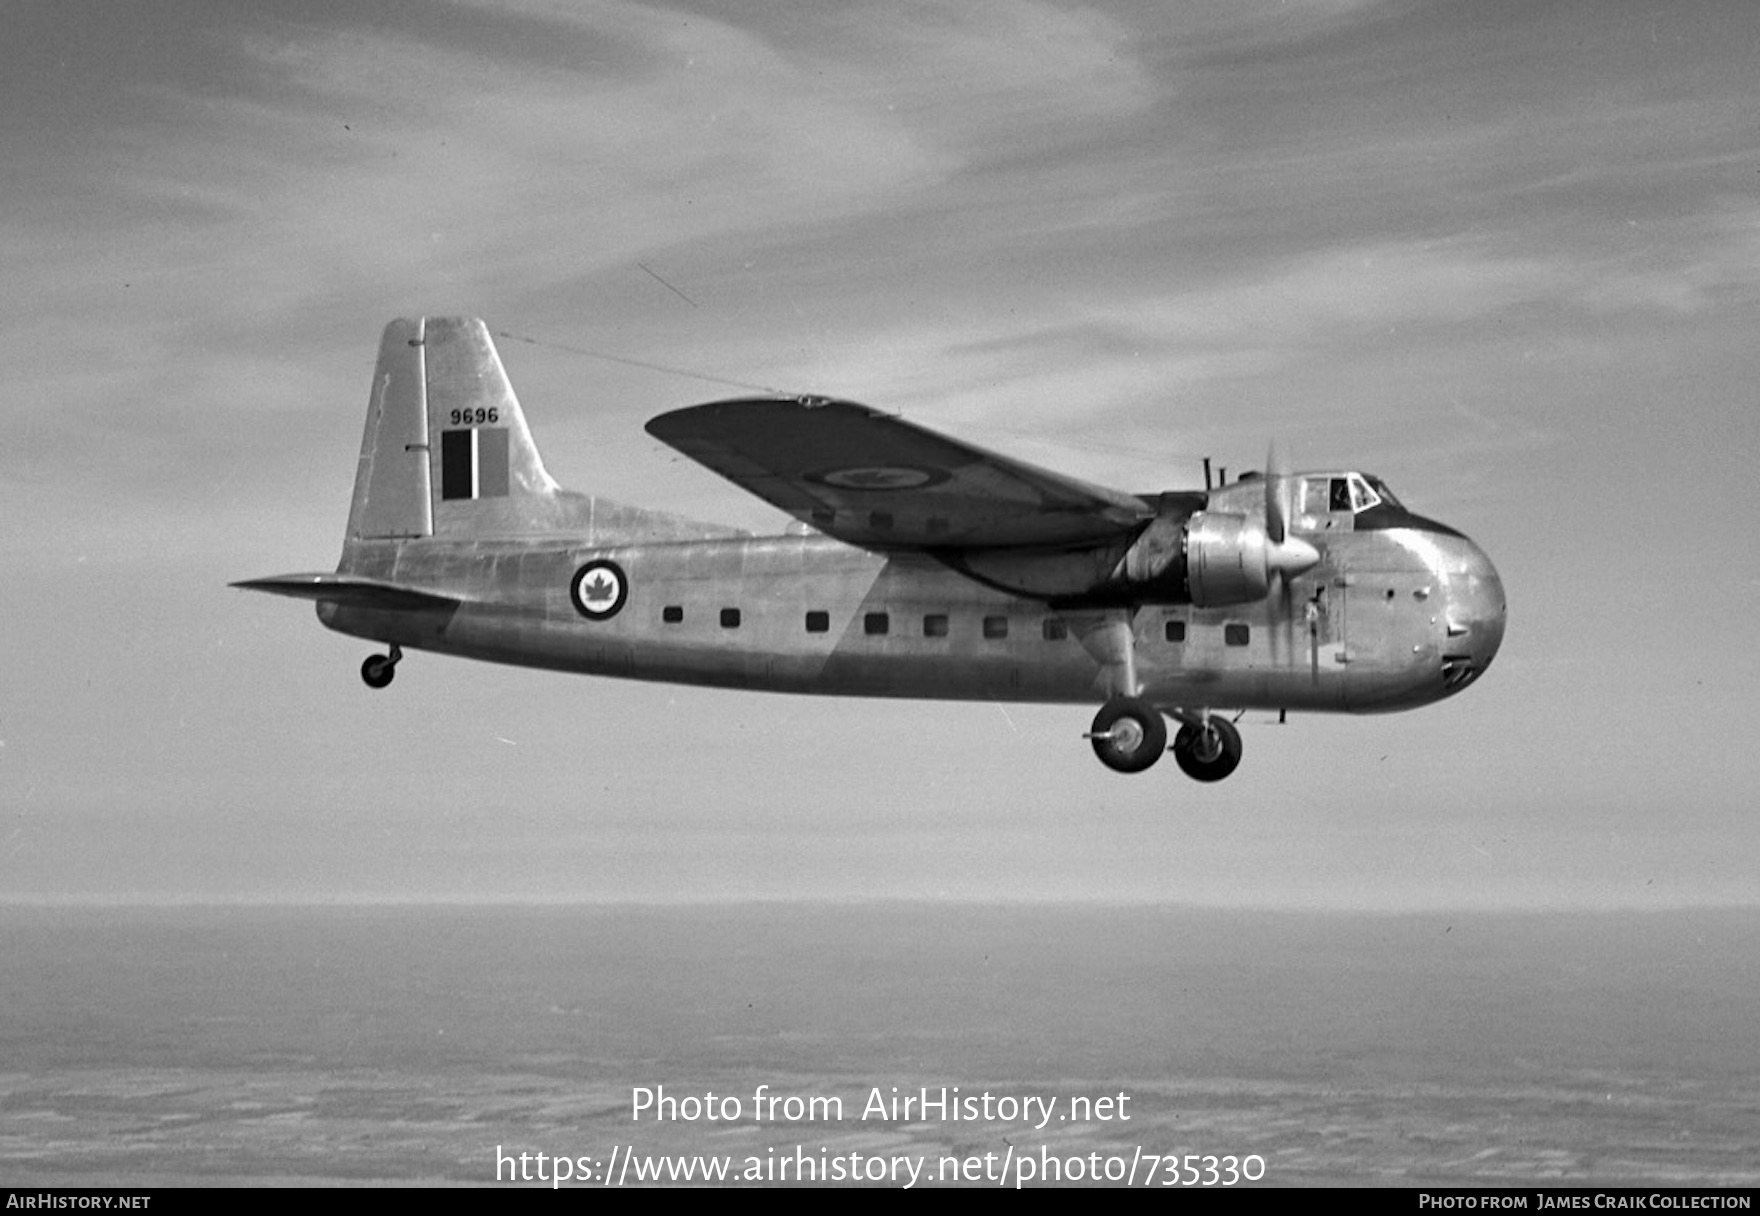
x,y
1477,611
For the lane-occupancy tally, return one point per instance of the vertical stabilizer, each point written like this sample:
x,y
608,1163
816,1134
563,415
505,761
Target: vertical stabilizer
x,y
447,454
446,450
486,474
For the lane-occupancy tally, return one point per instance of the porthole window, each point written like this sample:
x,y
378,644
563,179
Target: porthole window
x,y
1236,635
818,622
672,614
875,624
995,627
935,625
730,618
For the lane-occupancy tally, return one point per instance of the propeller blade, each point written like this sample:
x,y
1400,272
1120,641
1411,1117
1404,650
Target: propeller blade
x,y
1279,493
1285,613
1314,651
1287,556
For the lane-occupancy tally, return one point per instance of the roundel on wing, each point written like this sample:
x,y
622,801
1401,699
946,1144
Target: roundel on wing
x,y
880,477
598,590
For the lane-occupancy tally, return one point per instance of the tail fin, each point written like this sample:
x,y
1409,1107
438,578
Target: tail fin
x,y
446,450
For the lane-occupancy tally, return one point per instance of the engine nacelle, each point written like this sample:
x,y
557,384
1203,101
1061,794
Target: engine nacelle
x,y
1207,558
1230,559
1225,559
1211,558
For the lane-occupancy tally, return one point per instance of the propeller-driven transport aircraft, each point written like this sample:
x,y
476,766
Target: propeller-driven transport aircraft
x,y
920,566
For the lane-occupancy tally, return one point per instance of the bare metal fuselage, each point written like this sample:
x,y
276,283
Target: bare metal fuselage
x,y
1409,616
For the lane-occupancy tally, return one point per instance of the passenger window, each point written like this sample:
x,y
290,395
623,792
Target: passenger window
x,y
875,624
995,626
1236,635
818,622
1055,629
935,625
672,614
1176,631
730,618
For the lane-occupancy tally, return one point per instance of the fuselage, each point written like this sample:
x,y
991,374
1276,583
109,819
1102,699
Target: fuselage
x,y
1392,617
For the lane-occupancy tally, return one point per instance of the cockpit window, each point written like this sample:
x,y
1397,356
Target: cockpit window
x,y
1342,493
1382,493
1362,497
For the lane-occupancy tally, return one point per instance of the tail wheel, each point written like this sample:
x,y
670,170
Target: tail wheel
x,y
379,668
1128,734
1209,752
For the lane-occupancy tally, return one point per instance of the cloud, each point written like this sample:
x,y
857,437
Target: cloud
x,y
1075,353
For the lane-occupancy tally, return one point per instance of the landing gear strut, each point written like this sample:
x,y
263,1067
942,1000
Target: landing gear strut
x,y
379,668
1129,734
1208,751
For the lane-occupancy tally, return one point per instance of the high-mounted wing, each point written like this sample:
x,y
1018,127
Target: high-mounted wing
x,y
878,481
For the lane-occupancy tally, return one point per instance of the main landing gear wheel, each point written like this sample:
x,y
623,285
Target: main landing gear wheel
x,y
1209,752
1128,735
379,668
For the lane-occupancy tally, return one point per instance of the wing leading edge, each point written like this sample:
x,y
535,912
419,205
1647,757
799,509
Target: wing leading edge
x,y
874,480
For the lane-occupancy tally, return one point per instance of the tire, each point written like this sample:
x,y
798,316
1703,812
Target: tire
x,y
1129,735
377,671
1208,753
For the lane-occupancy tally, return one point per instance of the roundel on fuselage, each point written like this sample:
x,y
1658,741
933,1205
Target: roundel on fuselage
x,y
599,589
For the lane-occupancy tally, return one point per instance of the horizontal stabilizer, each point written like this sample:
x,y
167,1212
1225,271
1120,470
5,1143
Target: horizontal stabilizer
x,y
351,591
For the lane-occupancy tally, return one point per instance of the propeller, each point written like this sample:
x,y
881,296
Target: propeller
x,y
1286,556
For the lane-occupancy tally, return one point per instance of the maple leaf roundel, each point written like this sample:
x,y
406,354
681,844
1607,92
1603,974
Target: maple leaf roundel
x,y
598,590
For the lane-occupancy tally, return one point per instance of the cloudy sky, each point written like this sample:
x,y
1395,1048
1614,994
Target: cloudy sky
x,y
1506,255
